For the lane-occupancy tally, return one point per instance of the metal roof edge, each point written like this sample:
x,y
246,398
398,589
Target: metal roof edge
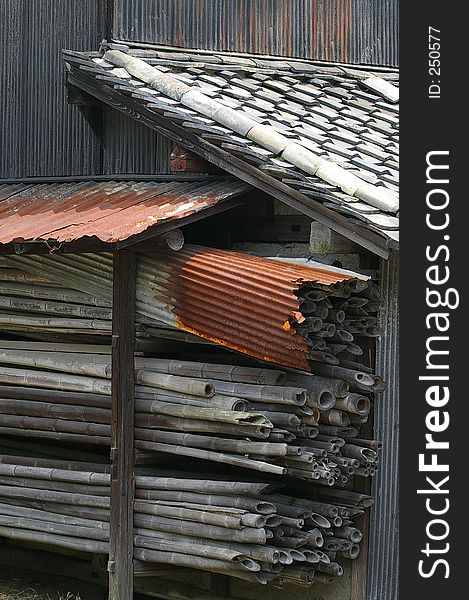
x,y
105,215
176,177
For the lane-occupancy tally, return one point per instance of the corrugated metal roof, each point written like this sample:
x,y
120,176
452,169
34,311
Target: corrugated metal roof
x,y
243,302
110,211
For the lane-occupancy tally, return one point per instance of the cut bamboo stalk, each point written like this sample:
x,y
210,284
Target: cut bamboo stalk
x,y
247,535
145,539
72,531
42,515
261,393
354,403
195,562
52,434
55,308
52,496
250,504
209,455
60,486
84,545
52,292
216,444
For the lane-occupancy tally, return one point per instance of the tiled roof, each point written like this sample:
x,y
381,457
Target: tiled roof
x,y
329,133
109,211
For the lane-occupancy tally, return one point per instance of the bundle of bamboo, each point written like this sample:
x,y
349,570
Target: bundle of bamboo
x,y
330,317
249,530
293,428
262,419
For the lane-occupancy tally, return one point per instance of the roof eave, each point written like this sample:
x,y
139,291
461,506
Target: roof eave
x,y
244,171
143,241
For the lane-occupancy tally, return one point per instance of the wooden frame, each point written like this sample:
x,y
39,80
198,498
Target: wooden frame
x,y
120,565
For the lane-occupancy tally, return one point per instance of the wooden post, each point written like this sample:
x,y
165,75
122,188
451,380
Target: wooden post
x,y
363,485
360,565
120,564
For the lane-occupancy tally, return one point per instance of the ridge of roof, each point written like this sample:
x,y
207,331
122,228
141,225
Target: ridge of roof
x,y
115,43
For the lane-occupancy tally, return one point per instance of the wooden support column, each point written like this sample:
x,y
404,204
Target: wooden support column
x,y
363,485
120,564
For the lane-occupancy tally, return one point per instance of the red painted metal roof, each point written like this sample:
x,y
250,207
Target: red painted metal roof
x,y
110,211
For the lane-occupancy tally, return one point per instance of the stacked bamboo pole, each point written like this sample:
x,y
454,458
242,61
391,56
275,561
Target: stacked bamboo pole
x,y
332,317
301,426
64,301
287,427
248,530
335,317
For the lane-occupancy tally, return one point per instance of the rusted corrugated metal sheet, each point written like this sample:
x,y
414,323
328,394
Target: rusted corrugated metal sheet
x,y
7,190
353,31
243,302
111,211
41,134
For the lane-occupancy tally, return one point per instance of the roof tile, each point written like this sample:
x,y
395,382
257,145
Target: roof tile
x,y
323,108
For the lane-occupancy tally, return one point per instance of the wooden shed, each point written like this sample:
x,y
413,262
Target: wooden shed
x,y
281,173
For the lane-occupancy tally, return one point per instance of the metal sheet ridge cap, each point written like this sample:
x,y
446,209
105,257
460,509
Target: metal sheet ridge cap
x,y
279,280
264,135
131,45
279,283
314,264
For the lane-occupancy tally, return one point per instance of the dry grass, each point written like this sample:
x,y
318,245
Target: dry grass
x,y
22,590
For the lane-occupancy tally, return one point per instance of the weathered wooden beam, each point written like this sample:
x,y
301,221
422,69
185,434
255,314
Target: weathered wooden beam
x,y
78,97
279,228
138,241
162,177
220,585
42,247
360,565
120,564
